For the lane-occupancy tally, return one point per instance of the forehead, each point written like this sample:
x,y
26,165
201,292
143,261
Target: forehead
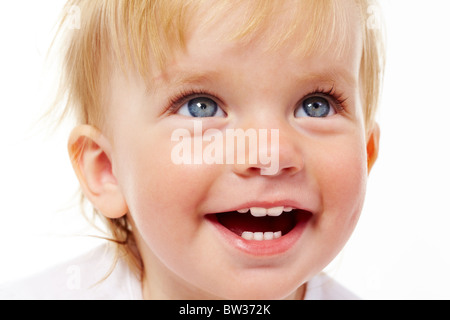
x,y
310,26
303,30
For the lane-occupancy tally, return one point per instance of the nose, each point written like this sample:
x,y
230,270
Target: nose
x,y
276,153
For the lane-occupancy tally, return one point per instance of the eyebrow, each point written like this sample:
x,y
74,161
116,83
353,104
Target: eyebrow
x,y
184,78
333,75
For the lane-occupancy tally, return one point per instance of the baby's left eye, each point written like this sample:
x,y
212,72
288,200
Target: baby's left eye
x,y
315,107
201,107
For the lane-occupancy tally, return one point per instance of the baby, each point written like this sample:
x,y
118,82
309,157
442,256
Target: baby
x,y
226,143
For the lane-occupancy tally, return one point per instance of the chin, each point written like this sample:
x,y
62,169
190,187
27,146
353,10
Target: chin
x,y
278,288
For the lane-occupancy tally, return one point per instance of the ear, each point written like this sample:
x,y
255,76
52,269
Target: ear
x,y
90,154
373,144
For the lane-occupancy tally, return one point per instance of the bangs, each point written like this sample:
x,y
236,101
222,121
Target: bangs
x,y
149,33
313,25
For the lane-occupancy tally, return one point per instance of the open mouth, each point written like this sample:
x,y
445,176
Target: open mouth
x,y
261,223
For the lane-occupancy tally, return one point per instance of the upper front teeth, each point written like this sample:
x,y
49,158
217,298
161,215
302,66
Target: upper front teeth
x,y
262,212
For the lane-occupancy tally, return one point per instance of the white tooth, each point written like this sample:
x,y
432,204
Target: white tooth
x,y
259,236
247,235
258,212
268,235
287,209
275,212
243,210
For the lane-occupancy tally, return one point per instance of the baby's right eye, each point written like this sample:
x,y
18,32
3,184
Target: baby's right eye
x,y
201,107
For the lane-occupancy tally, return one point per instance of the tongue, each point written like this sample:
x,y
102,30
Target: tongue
x,y
240,222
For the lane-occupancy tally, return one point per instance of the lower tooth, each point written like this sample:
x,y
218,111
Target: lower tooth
x,y
259,236
268,235
247,235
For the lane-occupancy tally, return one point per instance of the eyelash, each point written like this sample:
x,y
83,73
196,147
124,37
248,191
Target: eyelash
x,y
185,95
337,98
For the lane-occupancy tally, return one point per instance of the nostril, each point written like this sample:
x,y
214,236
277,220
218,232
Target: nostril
x,y
246,170
255,170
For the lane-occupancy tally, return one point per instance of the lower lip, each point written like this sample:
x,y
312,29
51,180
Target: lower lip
x,y
265,247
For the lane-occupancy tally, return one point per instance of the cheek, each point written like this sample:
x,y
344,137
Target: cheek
x,y
164,201
163,198
341,175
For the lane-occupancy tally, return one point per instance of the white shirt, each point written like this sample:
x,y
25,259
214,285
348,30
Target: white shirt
x,y
84,279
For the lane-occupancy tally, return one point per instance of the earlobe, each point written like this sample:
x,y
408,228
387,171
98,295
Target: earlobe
x,y
373,144
90,154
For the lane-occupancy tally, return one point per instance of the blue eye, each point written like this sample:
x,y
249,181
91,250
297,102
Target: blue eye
x,y
201,107
315,107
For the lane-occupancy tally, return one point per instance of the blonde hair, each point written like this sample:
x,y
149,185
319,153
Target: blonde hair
x,y
145,33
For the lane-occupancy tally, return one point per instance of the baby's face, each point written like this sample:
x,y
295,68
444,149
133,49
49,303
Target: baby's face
x,y
193,240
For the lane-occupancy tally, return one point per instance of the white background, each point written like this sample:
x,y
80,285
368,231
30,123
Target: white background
x,y
401,247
